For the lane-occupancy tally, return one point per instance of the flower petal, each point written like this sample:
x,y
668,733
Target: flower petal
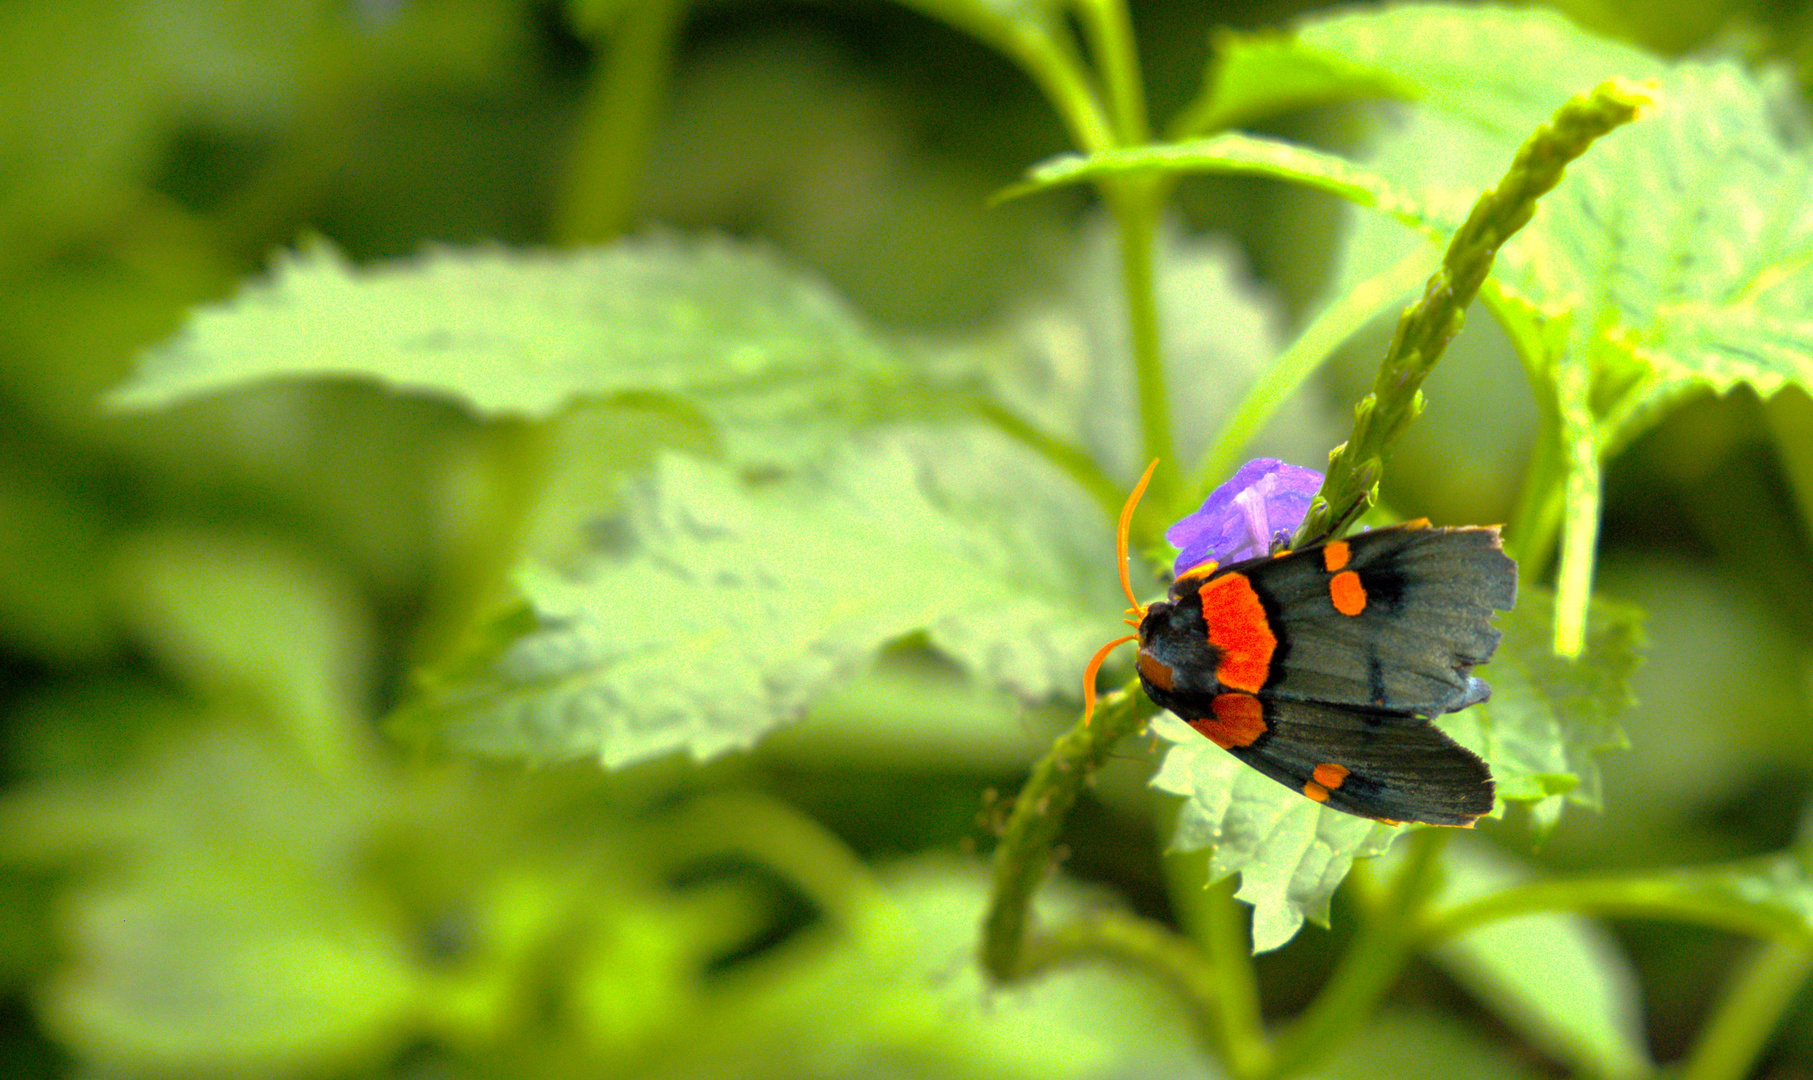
x,y
1262,504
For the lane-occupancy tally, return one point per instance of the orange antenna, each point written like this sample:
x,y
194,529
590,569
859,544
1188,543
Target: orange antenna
x,y
1120,535
1095,665
1139,609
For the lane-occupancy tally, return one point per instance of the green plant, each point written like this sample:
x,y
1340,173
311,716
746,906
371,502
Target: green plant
x,y
806,499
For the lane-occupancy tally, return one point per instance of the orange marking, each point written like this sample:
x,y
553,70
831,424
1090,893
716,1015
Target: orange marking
x,y
1120,534
1139,609
1239,631
1089,673
1316,791
1201,570
1154,670
1347,593
1330,775
1335,556
1239,720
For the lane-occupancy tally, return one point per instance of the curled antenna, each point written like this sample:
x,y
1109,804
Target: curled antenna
x,y
1136,611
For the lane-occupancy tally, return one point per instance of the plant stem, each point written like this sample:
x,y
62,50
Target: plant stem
x,y
1739,1030
1428,325
617,123
1214,981
1110,33
1145,946
1072,459
1023,856
1371,963
1136,215
1530,535
1135,203
1053,63
1239,1028
1632,897
1339,321
1580,505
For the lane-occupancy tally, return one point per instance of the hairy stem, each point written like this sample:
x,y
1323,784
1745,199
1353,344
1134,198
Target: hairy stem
x,y
1429,324
1339,321
1213,980
1024,855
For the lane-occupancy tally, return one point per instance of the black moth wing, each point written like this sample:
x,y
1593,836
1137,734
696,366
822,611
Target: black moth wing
x,y
1394,772
1429,597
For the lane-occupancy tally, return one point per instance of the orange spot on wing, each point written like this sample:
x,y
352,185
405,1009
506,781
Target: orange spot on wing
x,y
1316,791
1347,593
1330,775
1239,720
1154,671
1335,556
1239,631
1201,570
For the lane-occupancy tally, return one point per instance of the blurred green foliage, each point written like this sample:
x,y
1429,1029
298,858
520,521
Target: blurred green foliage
x,y
213,863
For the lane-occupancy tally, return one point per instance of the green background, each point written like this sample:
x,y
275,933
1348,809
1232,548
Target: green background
x,y
215,864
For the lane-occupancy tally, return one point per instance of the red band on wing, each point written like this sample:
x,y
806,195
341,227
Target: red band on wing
x,y
1239,720
1239,631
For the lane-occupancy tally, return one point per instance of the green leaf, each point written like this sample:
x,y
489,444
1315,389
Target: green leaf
x,y
205,973
1675,259
1549,716
1070,370
1470,61
779,362
260,917
1546,719
728,609
1691,271
1291,853
1234,152
897,992
1561,980
247,621
224,937
1253,75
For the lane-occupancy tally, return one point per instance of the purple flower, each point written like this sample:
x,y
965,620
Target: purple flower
x,y
1261,505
